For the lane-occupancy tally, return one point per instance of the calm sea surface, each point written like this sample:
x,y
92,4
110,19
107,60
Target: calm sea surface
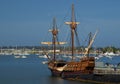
x,y
29,70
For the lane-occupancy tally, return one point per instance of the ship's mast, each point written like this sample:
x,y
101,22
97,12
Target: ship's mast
x,y
54,42
90,43
90,38
73,25
54,38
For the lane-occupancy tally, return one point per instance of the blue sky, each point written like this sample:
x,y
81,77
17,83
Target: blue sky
x,y
26,22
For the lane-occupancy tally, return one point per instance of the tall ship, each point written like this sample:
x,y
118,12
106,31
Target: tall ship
x,y
85,69
86,64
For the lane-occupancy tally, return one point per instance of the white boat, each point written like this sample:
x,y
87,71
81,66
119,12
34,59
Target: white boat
x,y
110,54
17,56
44,62
23,56
43,56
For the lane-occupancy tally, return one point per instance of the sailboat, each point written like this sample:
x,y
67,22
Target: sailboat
x,y
68,69
85,69
85,65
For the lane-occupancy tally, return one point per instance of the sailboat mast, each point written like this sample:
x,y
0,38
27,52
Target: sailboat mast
x,y
90,44
90,38
72,31
54,33
73,25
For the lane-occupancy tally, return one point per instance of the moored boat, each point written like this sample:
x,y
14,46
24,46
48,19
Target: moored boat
x,y
84,69
86,64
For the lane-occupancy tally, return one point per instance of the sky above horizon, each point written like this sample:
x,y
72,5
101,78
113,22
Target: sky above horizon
x,y
26,22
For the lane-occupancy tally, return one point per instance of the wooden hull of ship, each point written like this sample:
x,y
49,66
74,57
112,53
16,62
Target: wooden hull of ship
x,y
72,74
55,73
56,67
87,75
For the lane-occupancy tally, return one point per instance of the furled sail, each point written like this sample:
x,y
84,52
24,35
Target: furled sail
x,y
50,43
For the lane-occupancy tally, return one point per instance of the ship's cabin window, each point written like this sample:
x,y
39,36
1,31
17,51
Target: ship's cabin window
x,y
60,64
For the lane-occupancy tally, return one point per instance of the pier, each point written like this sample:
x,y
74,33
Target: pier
x,y
102,71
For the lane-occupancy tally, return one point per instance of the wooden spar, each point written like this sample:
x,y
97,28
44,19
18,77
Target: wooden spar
x,y
57,43
73,25
54,33
90,44
90,38
47,56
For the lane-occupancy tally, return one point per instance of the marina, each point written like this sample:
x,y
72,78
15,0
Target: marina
x,y
79,46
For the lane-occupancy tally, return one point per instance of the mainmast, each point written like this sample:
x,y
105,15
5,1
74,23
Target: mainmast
x,y
73,26
54,38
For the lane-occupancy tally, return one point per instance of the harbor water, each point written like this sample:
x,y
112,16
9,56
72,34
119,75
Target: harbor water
x,y
28,70
31,70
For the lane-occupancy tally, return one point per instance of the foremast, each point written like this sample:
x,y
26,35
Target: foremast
x,y
73,25
54,32
54,42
